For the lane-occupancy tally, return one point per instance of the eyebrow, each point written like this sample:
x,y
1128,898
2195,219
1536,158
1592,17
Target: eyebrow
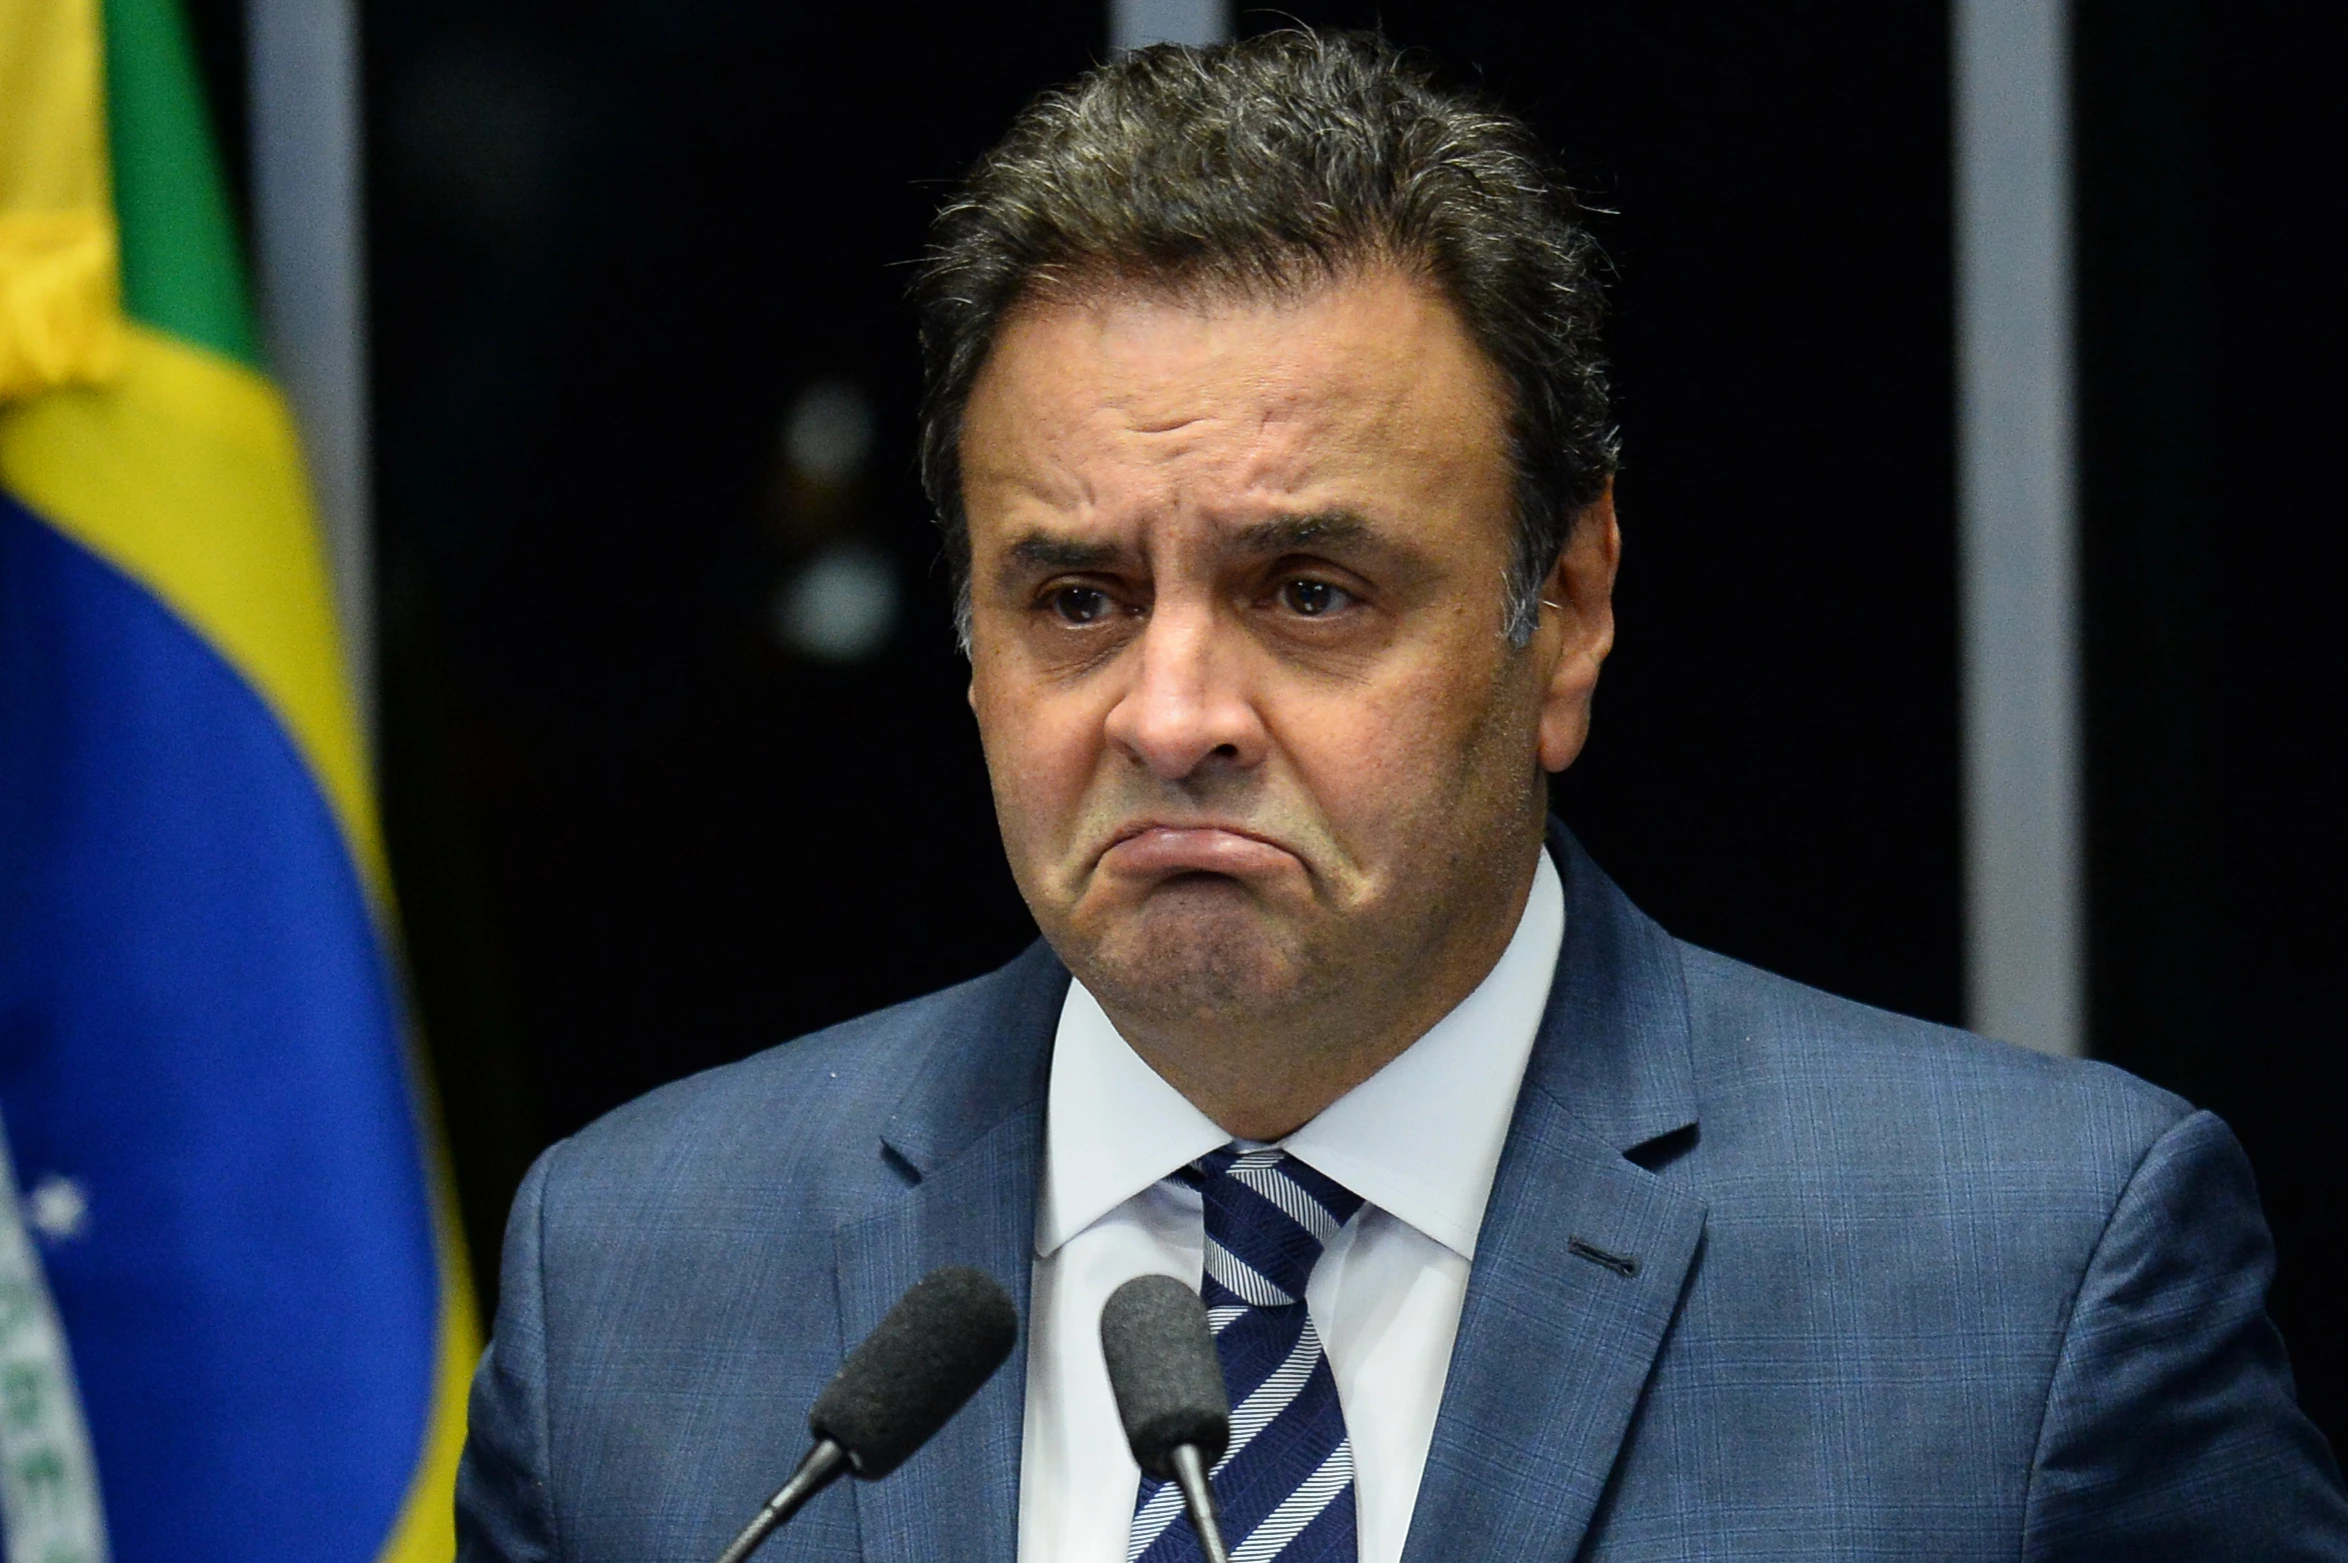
x,y
1283,532
1286,532
1043,551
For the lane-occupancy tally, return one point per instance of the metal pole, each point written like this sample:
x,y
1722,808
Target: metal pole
x,y
1135,24
2017,531
308,211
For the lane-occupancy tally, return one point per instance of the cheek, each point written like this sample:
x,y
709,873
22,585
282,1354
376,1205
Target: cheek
x,y
1382,758
1040,753
1404,764
1352,759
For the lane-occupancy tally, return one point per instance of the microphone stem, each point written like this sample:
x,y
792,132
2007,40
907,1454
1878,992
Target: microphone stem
x,y
1190,1474
825,1464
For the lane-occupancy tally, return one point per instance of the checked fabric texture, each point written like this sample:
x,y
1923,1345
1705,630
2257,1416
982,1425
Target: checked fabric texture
x,y
1285,1487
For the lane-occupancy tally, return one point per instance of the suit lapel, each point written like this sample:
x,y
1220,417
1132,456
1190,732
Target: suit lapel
x,y
1583,1255
1555,1344
968,1137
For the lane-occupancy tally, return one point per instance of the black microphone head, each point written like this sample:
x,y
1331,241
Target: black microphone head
x,y
1163,1368
944,1338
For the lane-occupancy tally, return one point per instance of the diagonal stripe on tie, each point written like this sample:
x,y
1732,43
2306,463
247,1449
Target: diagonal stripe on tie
x,y
1285,1486
1290,1199
1300,1508
1241,1279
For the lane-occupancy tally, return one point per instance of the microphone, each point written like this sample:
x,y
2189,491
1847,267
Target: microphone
x,y
1170,1393
919,1365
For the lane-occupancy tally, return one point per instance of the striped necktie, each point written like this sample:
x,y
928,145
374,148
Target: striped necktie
x,y
1285,1487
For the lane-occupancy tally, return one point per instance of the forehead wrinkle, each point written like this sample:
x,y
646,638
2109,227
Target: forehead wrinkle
x,y
1033,475
1139,422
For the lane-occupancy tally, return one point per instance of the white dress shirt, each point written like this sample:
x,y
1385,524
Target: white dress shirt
x,y
1418,1141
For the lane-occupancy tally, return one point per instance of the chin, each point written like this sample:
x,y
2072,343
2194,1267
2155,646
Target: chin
x,y
1194,961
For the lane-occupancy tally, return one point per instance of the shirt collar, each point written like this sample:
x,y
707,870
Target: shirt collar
x,y
1420,1139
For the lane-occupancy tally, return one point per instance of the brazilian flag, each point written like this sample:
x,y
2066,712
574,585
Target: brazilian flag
x,y
230,1207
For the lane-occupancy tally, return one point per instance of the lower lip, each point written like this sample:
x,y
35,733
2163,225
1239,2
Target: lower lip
x,y
1166,850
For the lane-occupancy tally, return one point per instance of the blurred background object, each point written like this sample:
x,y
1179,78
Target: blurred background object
x,y
837,600
235,1318
672,728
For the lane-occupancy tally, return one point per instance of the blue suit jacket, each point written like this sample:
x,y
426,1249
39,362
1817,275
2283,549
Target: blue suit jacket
x,y
1898,1293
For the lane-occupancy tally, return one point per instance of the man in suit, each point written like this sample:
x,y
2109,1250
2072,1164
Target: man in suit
x,y
1267,433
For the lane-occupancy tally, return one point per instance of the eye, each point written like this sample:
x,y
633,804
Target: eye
x,y
1311,599
1079,604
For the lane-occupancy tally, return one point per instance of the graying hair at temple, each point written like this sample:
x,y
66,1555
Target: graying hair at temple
x,y
1266,166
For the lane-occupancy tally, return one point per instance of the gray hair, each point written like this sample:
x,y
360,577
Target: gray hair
x,y
1265,166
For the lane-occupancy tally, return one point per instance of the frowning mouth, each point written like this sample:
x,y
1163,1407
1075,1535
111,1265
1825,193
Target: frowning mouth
x,y
1160,848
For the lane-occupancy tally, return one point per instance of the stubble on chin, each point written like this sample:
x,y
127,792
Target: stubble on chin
x,y
1191,955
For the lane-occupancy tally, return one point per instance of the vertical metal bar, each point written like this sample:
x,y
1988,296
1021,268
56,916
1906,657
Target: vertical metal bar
x,y
2024,853
303,65
1135,24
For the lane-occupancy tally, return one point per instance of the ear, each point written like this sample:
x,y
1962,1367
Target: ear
x,y
1577,628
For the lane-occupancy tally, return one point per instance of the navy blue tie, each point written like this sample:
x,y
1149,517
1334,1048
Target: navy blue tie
x,y
1285,1488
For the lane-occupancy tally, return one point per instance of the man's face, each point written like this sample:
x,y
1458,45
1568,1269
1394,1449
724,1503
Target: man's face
x,y
1257,740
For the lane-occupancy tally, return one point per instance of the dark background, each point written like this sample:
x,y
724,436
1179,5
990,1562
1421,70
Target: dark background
x,y
636,834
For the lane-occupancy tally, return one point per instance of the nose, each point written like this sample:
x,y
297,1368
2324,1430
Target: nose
x,y
1188,707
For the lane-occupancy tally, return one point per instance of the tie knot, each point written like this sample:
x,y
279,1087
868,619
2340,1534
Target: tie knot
x,y
1268,1218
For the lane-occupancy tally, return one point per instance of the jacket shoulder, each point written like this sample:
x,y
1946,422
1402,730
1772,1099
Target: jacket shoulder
x,y
801,1122
1864,1088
